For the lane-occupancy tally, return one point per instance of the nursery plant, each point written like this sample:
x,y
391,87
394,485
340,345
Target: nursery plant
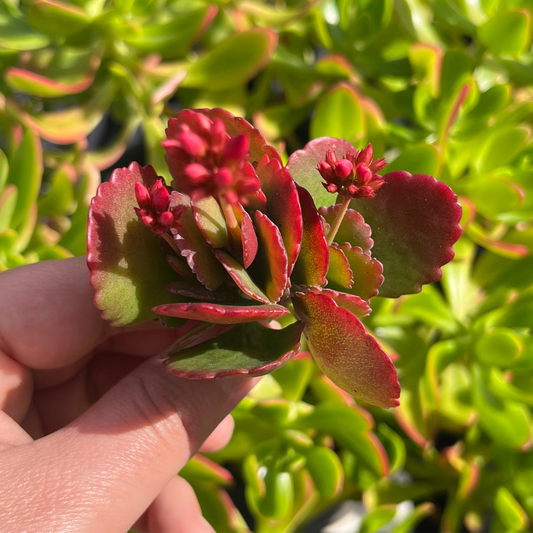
x,y
439,88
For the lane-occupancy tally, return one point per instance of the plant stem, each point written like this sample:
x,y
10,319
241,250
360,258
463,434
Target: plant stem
x,y
171,243
338,219
234,230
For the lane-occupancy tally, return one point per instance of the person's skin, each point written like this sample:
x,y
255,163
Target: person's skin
x,y
92,429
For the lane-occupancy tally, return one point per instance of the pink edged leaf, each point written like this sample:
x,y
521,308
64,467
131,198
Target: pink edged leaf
x,y
270,266
339,272
127,267
302,166
367,272
237,125
241,277
29,82
353,228
221,314
415,222
283,205
247,349
194,247
249,241
200,468
312,263
210,221
345,352
353,303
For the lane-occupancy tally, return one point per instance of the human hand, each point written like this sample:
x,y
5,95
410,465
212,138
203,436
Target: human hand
x,y
92,430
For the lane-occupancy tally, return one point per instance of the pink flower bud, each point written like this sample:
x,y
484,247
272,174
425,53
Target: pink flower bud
x,y
325,170
352,190
142,195
331,158
166,218
343,169
196,173
160,196
223,178
377,165
331,188
366,192
218,136
237,148
147,220
232,197
193,144
364,174
366,155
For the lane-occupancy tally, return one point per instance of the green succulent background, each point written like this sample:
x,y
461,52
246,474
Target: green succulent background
x,y
442,87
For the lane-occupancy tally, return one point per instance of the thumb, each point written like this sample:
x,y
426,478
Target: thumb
x,y
109,465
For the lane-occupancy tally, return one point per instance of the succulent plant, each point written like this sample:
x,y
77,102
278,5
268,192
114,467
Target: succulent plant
x,y
235,252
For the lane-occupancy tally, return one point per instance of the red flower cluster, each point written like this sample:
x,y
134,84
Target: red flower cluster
x,y
154,207
205,161
355,175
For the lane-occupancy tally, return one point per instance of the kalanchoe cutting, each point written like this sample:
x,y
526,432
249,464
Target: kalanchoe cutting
x,y
236,252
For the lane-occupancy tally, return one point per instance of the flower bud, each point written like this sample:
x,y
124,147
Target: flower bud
x,y
160,196
366,155
142,195
236,148
343,169
166,218
364,174
196,173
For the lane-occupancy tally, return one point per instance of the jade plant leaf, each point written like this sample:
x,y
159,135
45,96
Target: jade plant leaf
x,y
248,349
415,222
312,264
339,272
233,62
302,166
57,18
353,228
128,270
221,314
353,303
345,352
250,244
507,33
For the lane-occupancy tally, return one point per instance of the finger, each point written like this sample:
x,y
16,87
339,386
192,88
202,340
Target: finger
x,y
121,453
220,436
11,434
176,509
16,387
55,297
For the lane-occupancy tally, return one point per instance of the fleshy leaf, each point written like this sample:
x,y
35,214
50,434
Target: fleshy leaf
x,y
367,272
248,349
302,166
199,292
249,241
241,277
270,267
221,314
210,221
353,228
194,247
128,270
236,126
233,62
345,352
339,272
353,303
283,205
57,18
415,222
312,264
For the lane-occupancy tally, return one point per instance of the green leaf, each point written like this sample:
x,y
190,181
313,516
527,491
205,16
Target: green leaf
x,y
17,34
325,468
507,33
60,198
500,346
57,18
294,377
8,203
4,169
278,499
249,349
506,422
25,173
509,511
233,62
377,518
338,114
421,159
128,269
199,468
395,447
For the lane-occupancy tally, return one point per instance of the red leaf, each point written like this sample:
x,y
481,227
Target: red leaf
x,y
283,205
241,277
339,272
345,352
270,267
353,303
366,272
312,264
353,228
194,247
221,314
248,237
415,222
